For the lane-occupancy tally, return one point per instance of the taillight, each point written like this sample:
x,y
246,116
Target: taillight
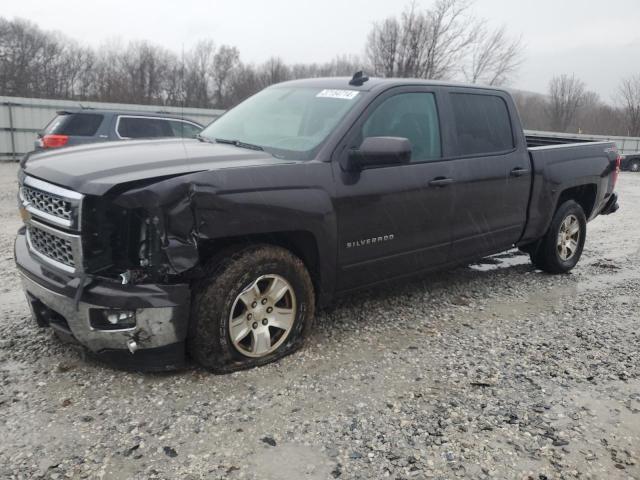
x,y
54,141
616,172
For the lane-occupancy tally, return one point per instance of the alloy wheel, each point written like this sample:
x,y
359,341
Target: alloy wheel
x,y
568,238
262,316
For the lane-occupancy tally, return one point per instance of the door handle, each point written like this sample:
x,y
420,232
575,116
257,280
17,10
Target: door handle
x,y
441,182
519,172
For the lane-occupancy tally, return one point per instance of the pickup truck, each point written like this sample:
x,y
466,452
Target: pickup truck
x,y
220,248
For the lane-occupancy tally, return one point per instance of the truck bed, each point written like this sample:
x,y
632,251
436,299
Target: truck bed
x,y
543,140
589,165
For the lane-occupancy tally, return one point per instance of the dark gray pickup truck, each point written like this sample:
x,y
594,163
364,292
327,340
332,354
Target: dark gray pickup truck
x,y
221,247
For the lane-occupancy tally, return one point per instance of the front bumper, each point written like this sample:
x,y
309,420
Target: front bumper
x,y
157,342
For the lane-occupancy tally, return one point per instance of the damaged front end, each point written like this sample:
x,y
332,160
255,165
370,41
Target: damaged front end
x,y
104,272
153,232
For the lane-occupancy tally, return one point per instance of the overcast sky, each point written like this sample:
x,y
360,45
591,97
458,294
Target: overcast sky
x,y
597,40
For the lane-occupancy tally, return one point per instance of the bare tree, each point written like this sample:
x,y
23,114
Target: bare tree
x,y
593,116
494,57
273,71
21,47
533,110
382,47
344,65
600,118
145,67
245,82
225,61
629,97
566,96
436,42
198,65
452,30
108,80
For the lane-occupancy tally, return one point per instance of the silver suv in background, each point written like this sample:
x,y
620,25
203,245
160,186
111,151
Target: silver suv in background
x,y
77,127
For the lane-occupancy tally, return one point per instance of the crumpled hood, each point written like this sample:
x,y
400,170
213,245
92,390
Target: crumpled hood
x,y
96,168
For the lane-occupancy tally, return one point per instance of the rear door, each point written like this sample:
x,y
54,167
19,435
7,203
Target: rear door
x,y
491,169
391,222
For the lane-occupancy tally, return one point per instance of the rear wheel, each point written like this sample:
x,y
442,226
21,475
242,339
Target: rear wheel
x,y
254,308
634,166
561,247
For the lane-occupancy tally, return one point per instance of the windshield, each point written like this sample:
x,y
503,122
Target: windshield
x,y
288,122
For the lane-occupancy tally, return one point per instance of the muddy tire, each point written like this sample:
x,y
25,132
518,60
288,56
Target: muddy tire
x,y
253,307
561,247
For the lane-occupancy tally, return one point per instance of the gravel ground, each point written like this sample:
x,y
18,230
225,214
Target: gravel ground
x,y
489,371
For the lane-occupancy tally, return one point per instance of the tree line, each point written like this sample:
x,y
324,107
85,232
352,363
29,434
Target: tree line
x,y
569,106
445,41
41,64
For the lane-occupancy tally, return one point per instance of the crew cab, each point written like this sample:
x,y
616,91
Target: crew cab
x,y
221,247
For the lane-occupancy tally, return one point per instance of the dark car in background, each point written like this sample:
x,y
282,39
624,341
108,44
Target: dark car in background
x,y
77,127
631,163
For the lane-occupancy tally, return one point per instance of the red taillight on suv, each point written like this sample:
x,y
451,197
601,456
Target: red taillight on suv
x,y
54,141
616,172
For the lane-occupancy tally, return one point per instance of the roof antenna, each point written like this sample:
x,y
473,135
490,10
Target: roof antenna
x,y
358,79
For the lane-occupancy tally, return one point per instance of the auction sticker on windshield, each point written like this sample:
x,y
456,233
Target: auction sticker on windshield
x,y
341,94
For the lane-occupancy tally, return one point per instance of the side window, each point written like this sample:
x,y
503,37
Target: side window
x,y
483,124
410,115
143,127
184,129
77,124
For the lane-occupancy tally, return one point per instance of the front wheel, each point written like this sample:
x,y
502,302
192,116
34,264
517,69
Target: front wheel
x,y
254,307
634,166
561,247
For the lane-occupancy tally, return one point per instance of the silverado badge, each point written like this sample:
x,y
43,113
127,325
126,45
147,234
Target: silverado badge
x,y
370,241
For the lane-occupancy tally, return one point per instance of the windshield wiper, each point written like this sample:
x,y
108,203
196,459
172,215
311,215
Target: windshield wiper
x,y
202,138
240,144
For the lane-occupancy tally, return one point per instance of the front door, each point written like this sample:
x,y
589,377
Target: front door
x,y
391,221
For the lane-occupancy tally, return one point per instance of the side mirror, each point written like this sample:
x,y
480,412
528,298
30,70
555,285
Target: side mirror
x,y
379,151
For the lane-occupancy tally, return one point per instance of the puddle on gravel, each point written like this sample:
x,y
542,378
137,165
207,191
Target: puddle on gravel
x,y
292,462
601,429
508,259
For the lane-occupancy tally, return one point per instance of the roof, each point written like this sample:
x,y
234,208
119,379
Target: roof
x,y
376,83
136,113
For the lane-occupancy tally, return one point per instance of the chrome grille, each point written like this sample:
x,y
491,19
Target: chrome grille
x,y
53,223
47,203
53,204
52,246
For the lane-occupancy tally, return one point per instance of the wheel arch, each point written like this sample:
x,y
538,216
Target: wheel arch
x,y
585,195
301,243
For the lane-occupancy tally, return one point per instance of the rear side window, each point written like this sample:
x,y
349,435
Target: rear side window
x,y
75,124
184,129
409,115
143,127
483,124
